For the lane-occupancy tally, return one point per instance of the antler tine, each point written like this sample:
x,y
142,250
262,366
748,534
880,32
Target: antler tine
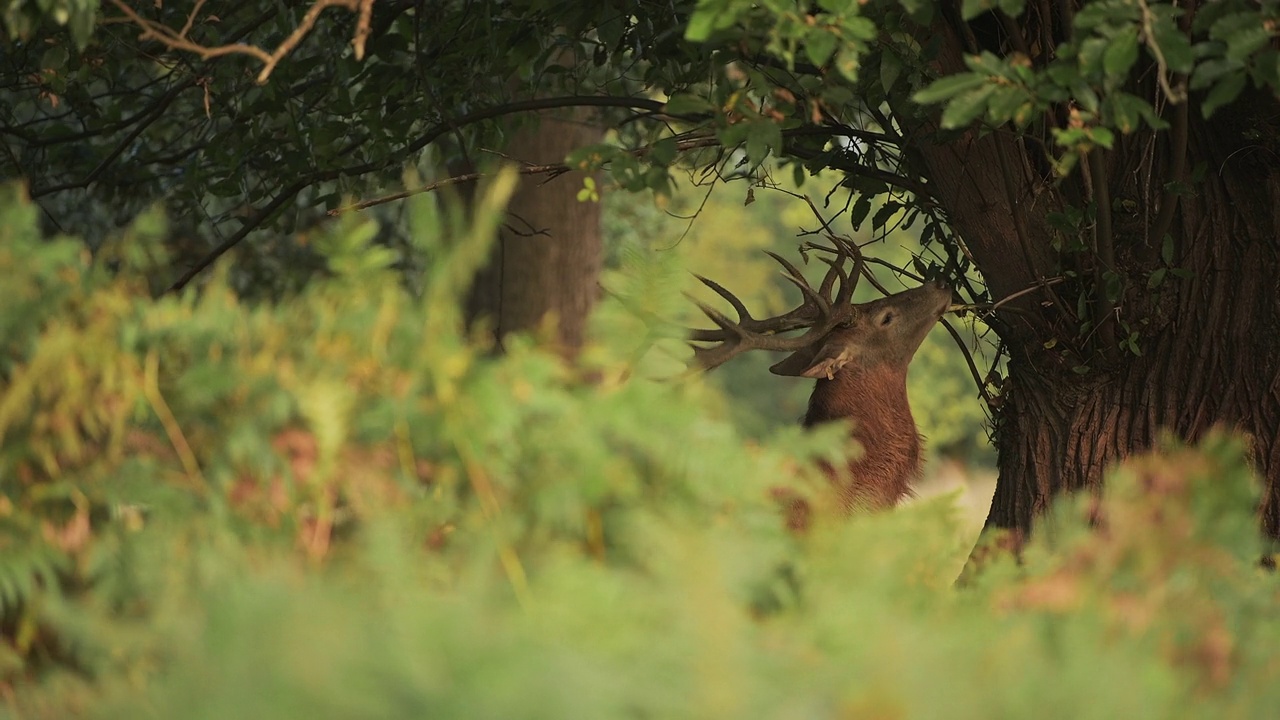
x,y
819,313
834,272
716,316
792,270
848,283
822,304
795,277
713,357
738,305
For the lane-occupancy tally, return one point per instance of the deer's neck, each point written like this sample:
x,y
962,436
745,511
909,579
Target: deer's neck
x,y
875,400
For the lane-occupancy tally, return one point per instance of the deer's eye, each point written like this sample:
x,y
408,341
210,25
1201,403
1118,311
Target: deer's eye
x,y
886,319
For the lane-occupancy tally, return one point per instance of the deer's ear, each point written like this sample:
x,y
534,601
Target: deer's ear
x,y
822,361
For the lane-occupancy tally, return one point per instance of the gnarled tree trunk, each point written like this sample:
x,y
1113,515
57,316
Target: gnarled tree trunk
x,y
1077,398
1210,355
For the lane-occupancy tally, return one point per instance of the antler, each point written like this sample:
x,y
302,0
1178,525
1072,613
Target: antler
x,y
820,312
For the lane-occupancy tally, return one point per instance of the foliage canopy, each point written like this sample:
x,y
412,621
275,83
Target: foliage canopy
x,y
105,123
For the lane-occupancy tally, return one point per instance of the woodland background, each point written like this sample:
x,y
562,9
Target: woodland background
x,y
277,443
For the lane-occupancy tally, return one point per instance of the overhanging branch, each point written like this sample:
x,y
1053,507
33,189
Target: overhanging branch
x,y
178,40
650,105
430,136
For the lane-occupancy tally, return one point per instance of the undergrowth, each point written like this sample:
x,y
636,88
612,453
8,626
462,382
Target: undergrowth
x,y
339,504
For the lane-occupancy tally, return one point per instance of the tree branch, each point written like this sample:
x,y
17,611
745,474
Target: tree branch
x,y
553,171
556,169
656,107
177,40
872,173
156,111
290,191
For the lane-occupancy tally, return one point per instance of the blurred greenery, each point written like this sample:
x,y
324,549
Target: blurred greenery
x,y
340,505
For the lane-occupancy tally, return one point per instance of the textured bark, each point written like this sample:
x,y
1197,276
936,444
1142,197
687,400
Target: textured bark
x,y
548,258
1214,358
1210,343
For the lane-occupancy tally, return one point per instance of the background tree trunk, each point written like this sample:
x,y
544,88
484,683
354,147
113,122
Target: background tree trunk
x,y
548,258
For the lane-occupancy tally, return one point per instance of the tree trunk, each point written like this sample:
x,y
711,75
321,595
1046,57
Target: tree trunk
x,y
1075,399
547,260
1212,360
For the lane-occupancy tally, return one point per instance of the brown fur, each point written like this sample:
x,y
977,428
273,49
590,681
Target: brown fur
x,y
875,400
861,373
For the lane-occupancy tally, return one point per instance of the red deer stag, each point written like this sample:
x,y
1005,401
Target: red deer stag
x,y
858,353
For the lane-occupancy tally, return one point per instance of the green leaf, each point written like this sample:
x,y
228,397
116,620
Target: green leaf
x,y
1103,13
701,24
1104,137
920,11
593,156
820,44
848,60
966,108
1085,96
857,27
1120,55
1125,112
1005,103
1113,286
762,137
948,87
1224,92
1232,23
886,213
1172,44
890,70
1242,44
588,191
1266,68
1012,8
55,58
687,104
1209,71
861,208
663,152
970,9
1092,51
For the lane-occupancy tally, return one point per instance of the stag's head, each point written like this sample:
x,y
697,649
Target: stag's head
x,y
884,331
839,335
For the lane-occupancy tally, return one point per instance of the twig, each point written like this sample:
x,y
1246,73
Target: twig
x,y
191,19
1175,95
290,191
968,358
1026,291
151,389
177,40
552,170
